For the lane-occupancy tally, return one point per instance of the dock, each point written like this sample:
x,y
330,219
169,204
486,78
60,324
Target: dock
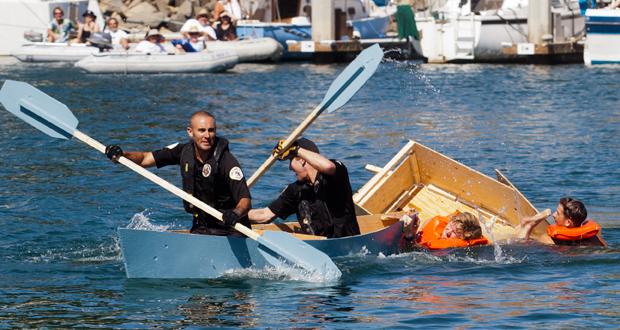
x,y
325,51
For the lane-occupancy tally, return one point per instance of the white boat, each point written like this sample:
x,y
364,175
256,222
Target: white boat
x,y
602,37
210,61
250,50
20,16
289,21
460,33
53,52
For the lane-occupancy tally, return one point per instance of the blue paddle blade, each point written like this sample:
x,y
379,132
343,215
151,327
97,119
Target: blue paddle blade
x,y
352,78
38,109
280,246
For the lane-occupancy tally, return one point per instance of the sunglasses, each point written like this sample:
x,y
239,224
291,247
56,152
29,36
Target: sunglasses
x,y
57,14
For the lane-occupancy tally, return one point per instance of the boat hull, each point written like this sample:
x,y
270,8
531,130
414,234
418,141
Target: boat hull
x,y
483,37
152,254
251,50
602,37
53,52
211,61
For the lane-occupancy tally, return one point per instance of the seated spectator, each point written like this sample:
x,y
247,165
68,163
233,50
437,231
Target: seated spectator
x,y
202,23
119,37
88,27
60,27
151,43
192,44
226,30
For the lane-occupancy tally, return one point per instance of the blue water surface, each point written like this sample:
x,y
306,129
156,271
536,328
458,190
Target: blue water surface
x,y
553,130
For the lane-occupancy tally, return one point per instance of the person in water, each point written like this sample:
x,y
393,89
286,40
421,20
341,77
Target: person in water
x,y
60,27
89,27
209,171
151,43
460,229
321,196
463,226
570,223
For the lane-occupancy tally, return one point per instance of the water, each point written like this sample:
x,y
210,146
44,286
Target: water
x,y
553,130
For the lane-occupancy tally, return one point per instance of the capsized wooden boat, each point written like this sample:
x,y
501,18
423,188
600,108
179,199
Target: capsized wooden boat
x,y
251,49
53,52
179,254
209,61
419,178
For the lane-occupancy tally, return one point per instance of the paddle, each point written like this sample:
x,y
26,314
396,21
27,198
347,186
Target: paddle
x,y
339,93
56,120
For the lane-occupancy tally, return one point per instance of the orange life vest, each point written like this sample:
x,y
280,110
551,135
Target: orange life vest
x,y
588,229
430,236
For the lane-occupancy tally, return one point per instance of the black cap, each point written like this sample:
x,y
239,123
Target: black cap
x,y
307,144
89,13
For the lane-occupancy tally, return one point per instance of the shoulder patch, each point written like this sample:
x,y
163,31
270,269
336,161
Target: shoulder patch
x,y
235,173
172,145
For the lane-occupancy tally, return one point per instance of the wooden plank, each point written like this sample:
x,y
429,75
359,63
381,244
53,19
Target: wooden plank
x,y
540,231
364,193
390,188
469,185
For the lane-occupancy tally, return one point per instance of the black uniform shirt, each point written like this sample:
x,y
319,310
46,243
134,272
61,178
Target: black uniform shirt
x,y
226,184
329,201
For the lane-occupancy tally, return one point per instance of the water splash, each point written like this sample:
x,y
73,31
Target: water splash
x,y
140,221
83,253
282,272
488,228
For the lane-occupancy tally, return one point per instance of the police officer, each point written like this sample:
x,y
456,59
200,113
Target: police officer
x,y
321,196
209,171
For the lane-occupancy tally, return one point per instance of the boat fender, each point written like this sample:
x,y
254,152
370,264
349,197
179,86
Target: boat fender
x,y
588,229
430,236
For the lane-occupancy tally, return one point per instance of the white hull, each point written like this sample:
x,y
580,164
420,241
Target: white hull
x,y
211,61
250,50
480,37
53,52
603,37
19,16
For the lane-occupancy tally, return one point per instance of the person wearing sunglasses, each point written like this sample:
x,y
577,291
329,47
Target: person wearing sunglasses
x,y
60,27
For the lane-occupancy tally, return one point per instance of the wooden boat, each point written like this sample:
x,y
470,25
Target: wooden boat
x,y
179,254
210,61
53,52
419,178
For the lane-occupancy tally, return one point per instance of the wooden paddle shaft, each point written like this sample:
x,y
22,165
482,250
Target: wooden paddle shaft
x,y
287,143
165,184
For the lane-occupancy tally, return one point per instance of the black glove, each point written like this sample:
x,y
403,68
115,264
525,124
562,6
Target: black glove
x,y
113,152
281,154
230,218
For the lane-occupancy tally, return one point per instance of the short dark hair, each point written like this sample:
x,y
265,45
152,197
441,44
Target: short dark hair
x,y
574,209
200,112
58,8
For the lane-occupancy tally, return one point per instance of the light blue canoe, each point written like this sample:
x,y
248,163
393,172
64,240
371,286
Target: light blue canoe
x,y
177,254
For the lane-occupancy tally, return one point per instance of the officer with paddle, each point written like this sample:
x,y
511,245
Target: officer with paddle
x,y
210,173
321,196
